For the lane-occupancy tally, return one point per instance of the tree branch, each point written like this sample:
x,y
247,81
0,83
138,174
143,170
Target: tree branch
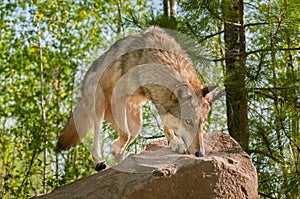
x,y
256,24
210,36
151,137
191,29
268,49
256,51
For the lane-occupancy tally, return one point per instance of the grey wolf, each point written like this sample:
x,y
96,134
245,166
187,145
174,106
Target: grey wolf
x,y
147,66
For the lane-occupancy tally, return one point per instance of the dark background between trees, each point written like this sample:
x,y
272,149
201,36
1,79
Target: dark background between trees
x,y
46,46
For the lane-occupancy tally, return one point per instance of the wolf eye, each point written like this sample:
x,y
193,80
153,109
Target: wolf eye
x,y
188,122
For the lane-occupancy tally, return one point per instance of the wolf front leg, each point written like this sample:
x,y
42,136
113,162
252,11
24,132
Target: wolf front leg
x,y
175,143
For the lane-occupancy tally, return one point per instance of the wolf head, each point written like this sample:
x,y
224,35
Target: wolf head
x,y
187,115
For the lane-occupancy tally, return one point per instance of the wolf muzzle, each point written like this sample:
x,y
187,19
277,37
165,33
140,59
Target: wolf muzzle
x,y
199,154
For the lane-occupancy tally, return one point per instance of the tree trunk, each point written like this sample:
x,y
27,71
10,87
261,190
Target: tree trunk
x,y
235,72
170,8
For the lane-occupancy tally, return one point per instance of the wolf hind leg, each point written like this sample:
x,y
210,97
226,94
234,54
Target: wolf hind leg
x,y
121,126
96,150
98,115
119,146
134,120
134,124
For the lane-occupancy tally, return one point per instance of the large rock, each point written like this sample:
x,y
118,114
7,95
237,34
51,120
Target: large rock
x,y
225,172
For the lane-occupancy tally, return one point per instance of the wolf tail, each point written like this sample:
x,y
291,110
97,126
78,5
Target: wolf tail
x,y
76,128
69,136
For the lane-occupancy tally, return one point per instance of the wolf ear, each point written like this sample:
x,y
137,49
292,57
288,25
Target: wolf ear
x,y
183,91
208,91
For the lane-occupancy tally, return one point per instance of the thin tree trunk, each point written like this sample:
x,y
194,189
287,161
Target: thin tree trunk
x,y
120,11
235,72
170,8
43,112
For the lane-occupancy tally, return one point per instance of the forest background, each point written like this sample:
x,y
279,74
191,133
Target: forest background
x,y
250,48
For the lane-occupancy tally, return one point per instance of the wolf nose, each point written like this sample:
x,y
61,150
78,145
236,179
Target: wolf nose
x,y
199,154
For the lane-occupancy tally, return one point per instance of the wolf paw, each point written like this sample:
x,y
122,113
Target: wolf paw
x,y
177,145
100,166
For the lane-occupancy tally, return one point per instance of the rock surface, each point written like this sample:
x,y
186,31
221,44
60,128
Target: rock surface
x,y
225,172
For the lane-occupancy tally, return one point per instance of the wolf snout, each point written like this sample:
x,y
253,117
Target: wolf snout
x,y
199,154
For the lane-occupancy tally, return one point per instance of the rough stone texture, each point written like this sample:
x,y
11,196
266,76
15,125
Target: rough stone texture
x,y
225,172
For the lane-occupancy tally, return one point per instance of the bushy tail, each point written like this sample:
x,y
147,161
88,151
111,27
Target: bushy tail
x,y
69,136
77,127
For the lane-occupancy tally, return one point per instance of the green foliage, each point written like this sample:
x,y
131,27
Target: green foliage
x,y
272,41
46,46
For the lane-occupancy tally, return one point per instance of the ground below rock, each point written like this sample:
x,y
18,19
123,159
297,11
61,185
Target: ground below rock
x,y
225,172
